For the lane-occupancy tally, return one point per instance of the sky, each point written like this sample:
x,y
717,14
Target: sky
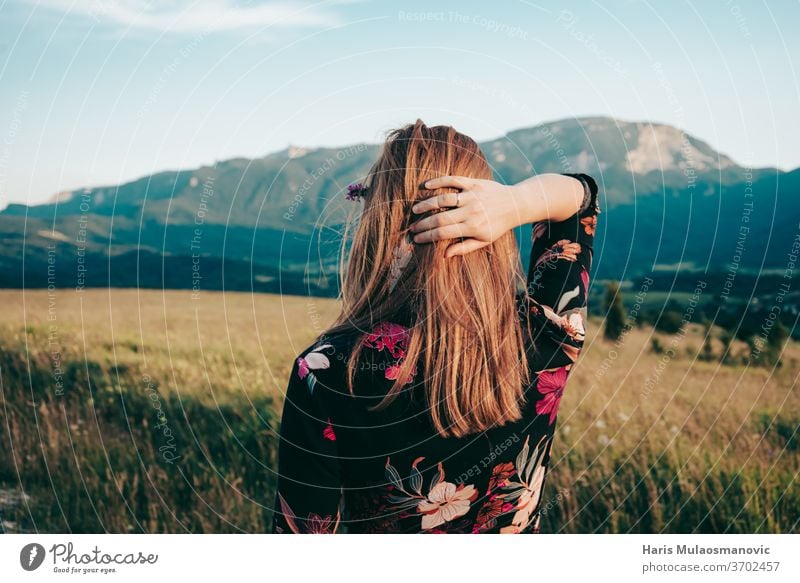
x,y
100,92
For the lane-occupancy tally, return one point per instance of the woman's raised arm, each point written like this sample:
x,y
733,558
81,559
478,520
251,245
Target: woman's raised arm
x,y
484,210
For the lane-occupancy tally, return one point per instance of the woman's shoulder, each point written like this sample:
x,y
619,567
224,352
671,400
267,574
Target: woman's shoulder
x,y
385,335
323,354
383,347
385,340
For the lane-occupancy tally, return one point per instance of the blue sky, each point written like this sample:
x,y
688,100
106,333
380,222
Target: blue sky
x,y
104,91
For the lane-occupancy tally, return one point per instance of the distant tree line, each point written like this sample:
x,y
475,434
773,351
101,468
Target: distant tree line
x,y
764,334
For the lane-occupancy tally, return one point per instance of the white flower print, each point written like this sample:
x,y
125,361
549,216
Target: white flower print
x,y
445,502
314,360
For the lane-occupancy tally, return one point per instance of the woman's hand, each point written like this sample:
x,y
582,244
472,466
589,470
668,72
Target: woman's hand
x,y
484,210
481,212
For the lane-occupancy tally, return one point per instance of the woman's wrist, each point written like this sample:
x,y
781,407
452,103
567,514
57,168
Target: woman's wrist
x,y
547,197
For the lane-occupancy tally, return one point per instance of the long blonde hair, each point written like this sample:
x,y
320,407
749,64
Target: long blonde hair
x,y
465,317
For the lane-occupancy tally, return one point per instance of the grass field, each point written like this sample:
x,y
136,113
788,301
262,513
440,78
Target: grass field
x,y
148,411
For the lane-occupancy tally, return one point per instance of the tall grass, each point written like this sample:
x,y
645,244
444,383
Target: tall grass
x,y
128,411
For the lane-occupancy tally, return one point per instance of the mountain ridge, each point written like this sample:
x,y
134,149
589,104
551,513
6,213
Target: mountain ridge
x,y
668,197
287,153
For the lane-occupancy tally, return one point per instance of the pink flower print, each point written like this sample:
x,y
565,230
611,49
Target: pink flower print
x,y
585,280
551,386
302,368
328,433
393,372
393,337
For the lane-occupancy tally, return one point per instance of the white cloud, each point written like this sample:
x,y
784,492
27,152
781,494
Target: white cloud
x,y
199,15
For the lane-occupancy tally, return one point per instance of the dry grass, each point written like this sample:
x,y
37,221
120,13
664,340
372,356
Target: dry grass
x,y
652,443
647,442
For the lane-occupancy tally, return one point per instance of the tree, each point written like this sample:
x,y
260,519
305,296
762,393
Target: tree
x,y
776,341
615,312
670,322
727,339
655,346
707,352
769,351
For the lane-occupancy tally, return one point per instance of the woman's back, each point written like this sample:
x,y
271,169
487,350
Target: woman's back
x,y
345,466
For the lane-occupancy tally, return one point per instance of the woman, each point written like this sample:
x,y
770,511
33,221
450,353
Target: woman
x,y
430,404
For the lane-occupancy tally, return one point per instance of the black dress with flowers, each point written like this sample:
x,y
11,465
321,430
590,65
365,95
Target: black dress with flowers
x,y
345,468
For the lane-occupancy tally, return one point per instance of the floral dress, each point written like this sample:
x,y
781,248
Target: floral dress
x,y
346,468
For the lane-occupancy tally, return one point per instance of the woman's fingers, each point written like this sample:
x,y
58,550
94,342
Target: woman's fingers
x,y
448,200
465,247
460,182
444,200
439,220
475,223
441,233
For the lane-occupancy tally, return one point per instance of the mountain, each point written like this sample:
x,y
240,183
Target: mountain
x,y
671,204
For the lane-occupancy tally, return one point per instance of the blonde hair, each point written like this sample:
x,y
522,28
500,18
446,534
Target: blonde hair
x,y
466,322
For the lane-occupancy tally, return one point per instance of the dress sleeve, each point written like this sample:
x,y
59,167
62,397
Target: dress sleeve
x,y
309,494
558,281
